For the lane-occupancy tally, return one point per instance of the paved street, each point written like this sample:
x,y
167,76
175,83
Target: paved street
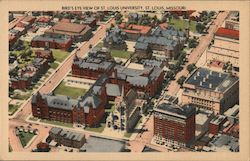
x,y
194,56
49,85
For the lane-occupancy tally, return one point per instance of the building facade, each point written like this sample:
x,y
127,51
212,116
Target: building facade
x,y
211,90
174,125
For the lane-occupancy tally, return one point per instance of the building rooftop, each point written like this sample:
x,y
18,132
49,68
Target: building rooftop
x,y
233,112
66,134
175,110
97,144
225,143
115,36
228,33
211,80
113,89
60,40
132,28
69,28
218,119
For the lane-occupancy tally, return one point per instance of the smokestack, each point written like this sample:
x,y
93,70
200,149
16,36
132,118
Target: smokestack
x,y
198,73
194,77
204,79
207,76
211,72
200,83
219,74
210,85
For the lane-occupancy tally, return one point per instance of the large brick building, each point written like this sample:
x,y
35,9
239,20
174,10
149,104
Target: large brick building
x,y
211,90
77,32
91,68
45,41
174,125
88,110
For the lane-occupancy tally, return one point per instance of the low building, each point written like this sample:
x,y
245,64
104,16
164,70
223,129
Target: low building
x,y
45,54
211,90
100,53
133,31
216,123
174,125
77,32
98,144
45,41
202,120
67,138
232,114
225,47
29,74
43,21
224,143
90,21
115,39
127,112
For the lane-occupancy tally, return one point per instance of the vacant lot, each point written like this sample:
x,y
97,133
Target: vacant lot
x,y
182,24
60,55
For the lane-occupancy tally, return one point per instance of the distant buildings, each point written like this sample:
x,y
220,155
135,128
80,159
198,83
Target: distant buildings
x,y
45,54
232,21
133,31
211,90
169,41
23,78
225,48
174,125
77,32
115,39
224,143
67,138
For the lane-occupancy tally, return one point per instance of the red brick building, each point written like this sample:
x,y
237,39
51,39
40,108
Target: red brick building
x,y
174,125
133,31
88,111
216,124
43,41
91,68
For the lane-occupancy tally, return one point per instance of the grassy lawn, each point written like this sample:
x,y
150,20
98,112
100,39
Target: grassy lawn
x,y
22,97
57,123
100,45
96,129
120,54
13,108
128,134
60,55
54,65
182,24
111,109
33,118
25,137
72,92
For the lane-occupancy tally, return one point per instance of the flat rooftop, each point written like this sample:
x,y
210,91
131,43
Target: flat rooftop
x,y
218,119
98,144
175,110
211,80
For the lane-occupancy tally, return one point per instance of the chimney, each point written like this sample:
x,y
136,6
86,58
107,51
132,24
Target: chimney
x,y
194,77
198,73
204,79
210,85
207,76
200,83
219,74
211,72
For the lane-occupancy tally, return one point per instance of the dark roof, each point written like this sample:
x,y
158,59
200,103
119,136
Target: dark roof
x,y
60,40
175,110
93,63
208,79
116,36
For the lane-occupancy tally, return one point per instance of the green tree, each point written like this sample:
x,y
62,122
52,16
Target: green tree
x,y
200,27
170,74
191,67
181,80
